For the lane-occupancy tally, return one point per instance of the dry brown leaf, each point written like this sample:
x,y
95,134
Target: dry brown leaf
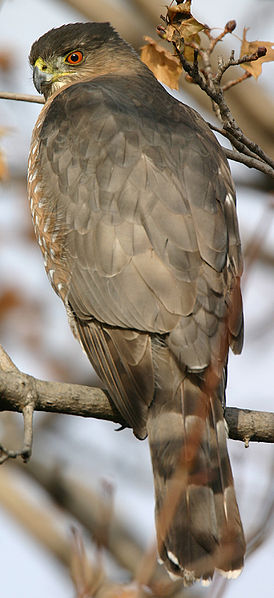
x,y
183,25
184,8
9,299
6,60
4,173
188,29
164,66
247,48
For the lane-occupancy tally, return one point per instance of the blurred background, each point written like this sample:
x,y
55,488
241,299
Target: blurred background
x,y
84,475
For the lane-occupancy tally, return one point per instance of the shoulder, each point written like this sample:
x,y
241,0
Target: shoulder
x,y
136,103
134,94
109,92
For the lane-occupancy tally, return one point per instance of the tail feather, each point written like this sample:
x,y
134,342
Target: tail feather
x,y
197,518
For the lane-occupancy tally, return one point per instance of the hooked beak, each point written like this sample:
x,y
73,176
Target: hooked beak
x,y
41,78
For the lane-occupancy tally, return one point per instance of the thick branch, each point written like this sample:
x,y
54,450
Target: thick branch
x,y
247,425
57,397
74,399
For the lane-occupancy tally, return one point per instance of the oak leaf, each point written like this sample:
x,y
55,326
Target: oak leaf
x,y
248,48
165,67
182,7
182,25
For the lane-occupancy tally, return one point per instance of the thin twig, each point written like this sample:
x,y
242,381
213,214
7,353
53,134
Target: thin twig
x,y
236,81
26,450
223,66
248,161
237,134
216,40
28,429
210,84
230,26
237,144
21,97
233,131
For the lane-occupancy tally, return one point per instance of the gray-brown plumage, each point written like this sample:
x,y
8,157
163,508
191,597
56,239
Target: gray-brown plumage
x,y
134,210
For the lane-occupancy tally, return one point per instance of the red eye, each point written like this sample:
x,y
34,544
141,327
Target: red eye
x,y
75,57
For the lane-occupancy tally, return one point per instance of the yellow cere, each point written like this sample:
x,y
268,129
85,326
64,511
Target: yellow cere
x,y
52,69
41,65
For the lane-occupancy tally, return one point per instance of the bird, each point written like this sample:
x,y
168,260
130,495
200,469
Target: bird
x,y
134,209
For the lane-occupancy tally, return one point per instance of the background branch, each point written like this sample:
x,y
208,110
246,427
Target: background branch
x,y
22,97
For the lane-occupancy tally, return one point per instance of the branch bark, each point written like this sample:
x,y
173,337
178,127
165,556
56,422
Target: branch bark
x,y
74,399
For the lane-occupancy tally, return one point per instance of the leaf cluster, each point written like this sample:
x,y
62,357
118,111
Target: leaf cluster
x,y
192,37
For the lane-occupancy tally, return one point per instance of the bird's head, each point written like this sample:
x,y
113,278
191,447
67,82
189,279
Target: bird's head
x,y
78,51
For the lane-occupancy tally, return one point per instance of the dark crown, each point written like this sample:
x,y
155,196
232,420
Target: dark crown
x,y
87,36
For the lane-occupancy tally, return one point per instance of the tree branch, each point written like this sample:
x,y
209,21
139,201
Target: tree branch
x,y
234,82
56,397
249,425
18,390
223,66
248,161
210,82
211,86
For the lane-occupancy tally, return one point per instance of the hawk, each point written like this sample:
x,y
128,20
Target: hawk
x,y
133,207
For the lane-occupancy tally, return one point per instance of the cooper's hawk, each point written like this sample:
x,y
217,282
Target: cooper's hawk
x,y
134,210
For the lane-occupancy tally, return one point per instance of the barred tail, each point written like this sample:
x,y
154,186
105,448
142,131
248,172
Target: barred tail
x,y
197,518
